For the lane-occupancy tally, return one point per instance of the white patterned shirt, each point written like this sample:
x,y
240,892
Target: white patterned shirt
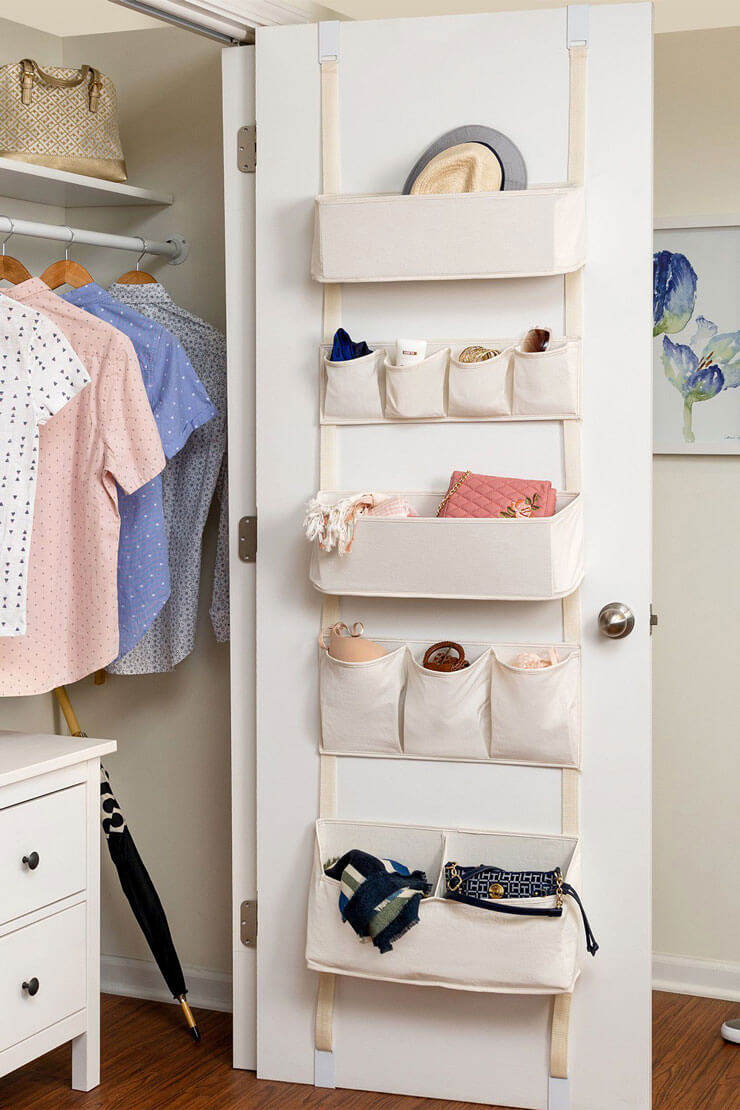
x,y
39,374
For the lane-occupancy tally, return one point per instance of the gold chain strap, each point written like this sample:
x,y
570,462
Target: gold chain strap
x,y
559,891
450,493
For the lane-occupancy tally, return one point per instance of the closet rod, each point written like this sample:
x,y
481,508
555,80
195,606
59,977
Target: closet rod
x,y
175,249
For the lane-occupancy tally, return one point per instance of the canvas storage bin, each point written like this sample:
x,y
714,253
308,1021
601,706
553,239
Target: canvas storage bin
x,y
417,392
390,237
480,388
535,714
548,382
361,702
448,714
425,556
353,388
453,945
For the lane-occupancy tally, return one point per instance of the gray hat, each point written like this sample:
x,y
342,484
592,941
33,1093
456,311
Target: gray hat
x,y
513,169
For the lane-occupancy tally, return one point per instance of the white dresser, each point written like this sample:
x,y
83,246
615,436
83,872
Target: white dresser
x,y
50,900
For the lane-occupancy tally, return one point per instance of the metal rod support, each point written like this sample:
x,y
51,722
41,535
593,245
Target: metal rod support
x,y
175,250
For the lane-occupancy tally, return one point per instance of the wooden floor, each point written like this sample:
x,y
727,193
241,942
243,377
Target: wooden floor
x,y
151,1064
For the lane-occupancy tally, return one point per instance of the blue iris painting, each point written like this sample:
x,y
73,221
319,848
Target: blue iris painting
x,y
709,362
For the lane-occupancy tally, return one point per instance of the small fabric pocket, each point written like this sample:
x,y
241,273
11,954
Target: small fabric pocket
x,y
353,388
480,388
548,382
361,703
535,714
417,392
447,714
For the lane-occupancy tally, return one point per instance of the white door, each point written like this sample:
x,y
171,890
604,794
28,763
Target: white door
x,y
401,84
238,100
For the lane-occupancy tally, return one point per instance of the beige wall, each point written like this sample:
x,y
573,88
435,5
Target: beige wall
x,y
697,551
172,768
74,17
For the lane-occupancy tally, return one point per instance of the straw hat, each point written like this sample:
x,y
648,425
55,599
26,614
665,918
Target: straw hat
x,y
465,168
468,159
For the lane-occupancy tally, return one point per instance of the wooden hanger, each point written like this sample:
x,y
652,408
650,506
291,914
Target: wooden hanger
x,y
10,268
137,276
66,272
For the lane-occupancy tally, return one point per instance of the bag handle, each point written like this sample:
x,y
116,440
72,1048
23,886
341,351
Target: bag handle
x,y
30,69
341,629
445,663
463,478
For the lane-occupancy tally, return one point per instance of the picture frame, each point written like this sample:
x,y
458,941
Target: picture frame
x,y
696,335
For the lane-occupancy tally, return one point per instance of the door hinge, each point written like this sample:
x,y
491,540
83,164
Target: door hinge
x,y
653,620
246,148
248,923
248,539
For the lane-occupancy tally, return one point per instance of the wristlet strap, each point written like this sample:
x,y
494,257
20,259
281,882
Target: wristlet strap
x,y
591,944
517,911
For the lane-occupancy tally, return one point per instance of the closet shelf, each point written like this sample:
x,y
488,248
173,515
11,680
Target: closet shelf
x,y
453,945
389,237
41,185
488,558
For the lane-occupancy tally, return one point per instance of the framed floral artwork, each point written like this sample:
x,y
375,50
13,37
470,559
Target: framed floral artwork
x,y
696,337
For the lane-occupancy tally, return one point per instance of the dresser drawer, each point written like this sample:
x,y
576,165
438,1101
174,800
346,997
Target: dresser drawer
x,y
53,827
53,952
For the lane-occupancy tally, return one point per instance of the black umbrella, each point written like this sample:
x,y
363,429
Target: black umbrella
x,y
135,880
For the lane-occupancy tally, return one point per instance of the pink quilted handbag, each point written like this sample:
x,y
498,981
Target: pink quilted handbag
x,y
483,495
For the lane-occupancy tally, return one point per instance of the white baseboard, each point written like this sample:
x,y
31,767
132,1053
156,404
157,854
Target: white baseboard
x,y
705,978
211,990
207,990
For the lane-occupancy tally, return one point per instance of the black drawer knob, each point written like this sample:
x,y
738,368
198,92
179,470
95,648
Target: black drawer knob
x,y
31,987
31,861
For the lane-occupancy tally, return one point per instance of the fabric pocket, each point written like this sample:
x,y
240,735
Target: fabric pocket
x,y
535,714
353,388
417,392
548,382
361,702
480,388
447,714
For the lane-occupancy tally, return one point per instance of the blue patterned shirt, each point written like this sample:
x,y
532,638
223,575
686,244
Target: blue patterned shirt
x,y
180,404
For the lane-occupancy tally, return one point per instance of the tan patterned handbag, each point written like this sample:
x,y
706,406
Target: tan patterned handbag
x,y
66,119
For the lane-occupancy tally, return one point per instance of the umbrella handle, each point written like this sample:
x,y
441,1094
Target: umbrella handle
x,y
60,693
192,1026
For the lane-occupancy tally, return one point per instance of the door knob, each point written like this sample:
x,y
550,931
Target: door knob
x,y
616,620
31,986
31,861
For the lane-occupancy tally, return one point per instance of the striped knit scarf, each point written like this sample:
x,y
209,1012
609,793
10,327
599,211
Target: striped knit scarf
x,y
379,897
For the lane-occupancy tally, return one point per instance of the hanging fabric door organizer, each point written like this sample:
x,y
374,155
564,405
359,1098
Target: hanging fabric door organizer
x,y
540,231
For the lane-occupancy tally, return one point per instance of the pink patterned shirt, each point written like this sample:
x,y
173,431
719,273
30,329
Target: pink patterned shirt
x,y
106,434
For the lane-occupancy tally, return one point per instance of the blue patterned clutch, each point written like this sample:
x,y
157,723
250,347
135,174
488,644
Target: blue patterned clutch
x,y
487,888
493,882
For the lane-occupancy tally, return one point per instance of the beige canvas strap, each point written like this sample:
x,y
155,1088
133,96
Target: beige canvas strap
x,y
332,318
559,1036
577,115
324,1028
572,623
569,819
